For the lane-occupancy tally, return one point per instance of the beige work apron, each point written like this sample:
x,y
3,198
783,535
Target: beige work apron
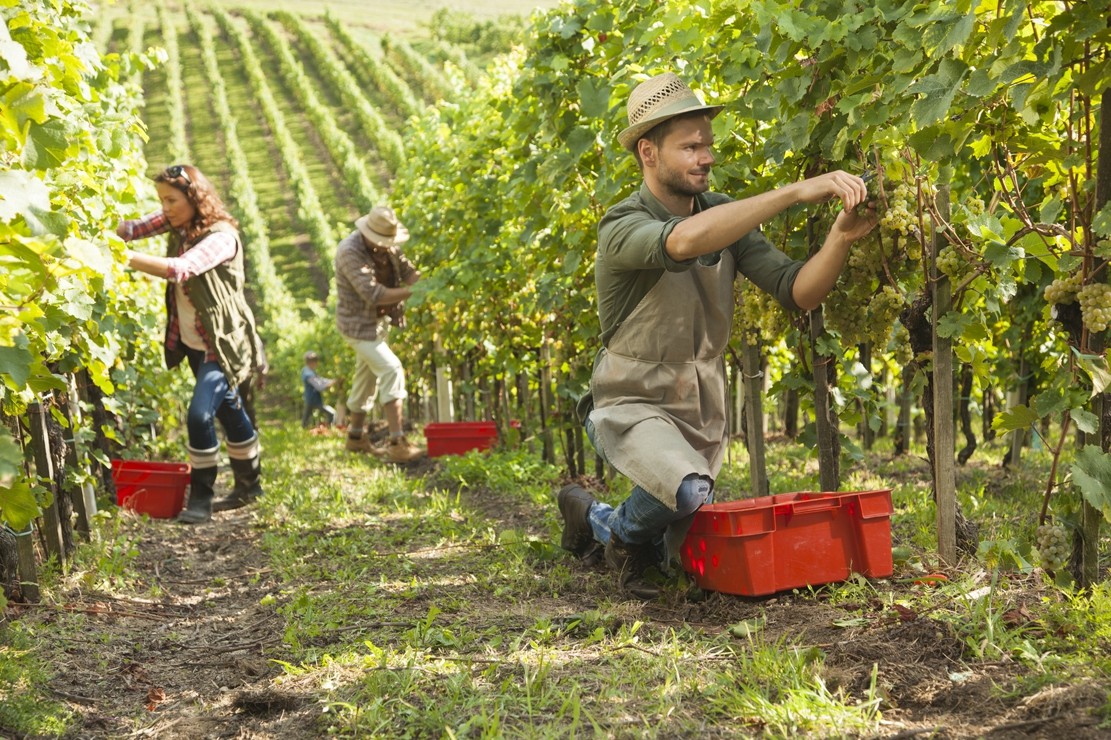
x,y
659,387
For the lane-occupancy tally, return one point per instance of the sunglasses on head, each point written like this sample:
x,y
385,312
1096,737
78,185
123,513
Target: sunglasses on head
x,y
178,170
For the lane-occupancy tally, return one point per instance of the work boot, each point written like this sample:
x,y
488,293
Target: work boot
x,y
199,508
632,563
574,506
398,450
361,443
244,457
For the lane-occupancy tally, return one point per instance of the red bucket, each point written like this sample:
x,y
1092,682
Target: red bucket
x,y
153,488
755,547
458,437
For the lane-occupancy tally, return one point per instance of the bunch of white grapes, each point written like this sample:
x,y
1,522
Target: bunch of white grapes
x,y
974,205
898,216
1053,546
883,315
951,263
1095,305
1063,290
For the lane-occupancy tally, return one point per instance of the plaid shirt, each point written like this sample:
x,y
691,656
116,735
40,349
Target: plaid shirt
x,y
357,288
214,249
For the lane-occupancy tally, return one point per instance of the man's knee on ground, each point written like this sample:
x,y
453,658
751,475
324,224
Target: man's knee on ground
x,y
693,492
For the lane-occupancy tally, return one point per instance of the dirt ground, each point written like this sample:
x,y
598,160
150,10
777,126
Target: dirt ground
x,y
198,662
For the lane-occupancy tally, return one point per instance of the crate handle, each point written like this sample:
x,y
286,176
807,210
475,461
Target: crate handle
x,y
817,504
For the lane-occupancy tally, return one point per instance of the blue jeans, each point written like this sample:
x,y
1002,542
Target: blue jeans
x,y
642,518
310,409
214,399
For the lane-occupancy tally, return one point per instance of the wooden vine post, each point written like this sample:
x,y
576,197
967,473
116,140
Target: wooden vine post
x,y
28,569
444,410
545,394
945,485
753,384
80,504
1091,516
52,523
825,420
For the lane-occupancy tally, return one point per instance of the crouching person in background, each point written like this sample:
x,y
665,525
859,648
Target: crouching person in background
x,y
313,396
208,324
373,278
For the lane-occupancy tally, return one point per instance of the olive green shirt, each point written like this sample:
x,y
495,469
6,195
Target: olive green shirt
x,y
631,257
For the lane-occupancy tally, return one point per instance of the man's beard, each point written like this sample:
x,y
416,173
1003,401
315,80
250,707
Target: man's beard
x,y
678,184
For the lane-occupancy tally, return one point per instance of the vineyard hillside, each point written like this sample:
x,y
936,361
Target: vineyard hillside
x,y
939,428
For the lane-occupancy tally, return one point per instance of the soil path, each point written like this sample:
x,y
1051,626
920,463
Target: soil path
x,y
196,661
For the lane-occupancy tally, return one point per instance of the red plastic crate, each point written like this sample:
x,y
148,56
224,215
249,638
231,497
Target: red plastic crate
x,y
457,437
759,546
153,488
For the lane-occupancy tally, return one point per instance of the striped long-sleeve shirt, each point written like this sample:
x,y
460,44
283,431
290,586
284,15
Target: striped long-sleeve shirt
x,y
214,249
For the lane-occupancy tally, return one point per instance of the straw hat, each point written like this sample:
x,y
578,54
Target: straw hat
x,y
656,100
381,227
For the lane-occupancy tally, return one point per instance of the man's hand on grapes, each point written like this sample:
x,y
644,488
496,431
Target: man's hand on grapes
x,y
855,223
851,190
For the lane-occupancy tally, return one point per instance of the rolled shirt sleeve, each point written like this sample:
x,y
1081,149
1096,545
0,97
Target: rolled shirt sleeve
x,y
215,249
637,241
151,224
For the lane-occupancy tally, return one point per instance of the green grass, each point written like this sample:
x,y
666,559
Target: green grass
x,y
24,706
442,605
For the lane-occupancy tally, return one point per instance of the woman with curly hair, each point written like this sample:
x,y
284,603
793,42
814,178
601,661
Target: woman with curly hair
x,y
209,324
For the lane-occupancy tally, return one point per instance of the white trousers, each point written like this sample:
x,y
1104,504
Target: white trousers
x,y
378,374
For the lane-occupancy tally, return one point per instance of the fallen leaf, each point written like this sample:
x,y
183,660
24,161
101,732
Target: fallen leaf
x,y
155,696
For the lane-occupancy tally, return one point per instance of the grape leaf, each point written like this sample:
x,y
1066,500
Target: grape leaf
x,y
1017,417
19,191
1101,224
17,505
1096,367
15,363
1086,421
1091,473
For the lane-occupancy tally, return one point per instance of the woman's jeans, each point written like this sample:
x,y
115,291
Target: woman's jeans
x,y
214,399
642,518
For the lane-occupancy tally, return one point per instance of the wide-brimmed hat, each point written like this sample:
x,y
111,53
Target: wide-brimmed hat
x,y
656,100
381,227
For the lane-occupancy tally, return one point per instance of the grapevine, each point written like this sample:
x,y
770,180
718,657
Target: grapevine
x,y
309,209
434,84
274,296
177,147
373,73
346,156
384,139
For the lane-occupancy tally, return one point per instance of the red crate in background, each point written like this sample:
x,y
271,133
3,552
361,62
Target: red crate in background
x,y
457,437
153,488
756,547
